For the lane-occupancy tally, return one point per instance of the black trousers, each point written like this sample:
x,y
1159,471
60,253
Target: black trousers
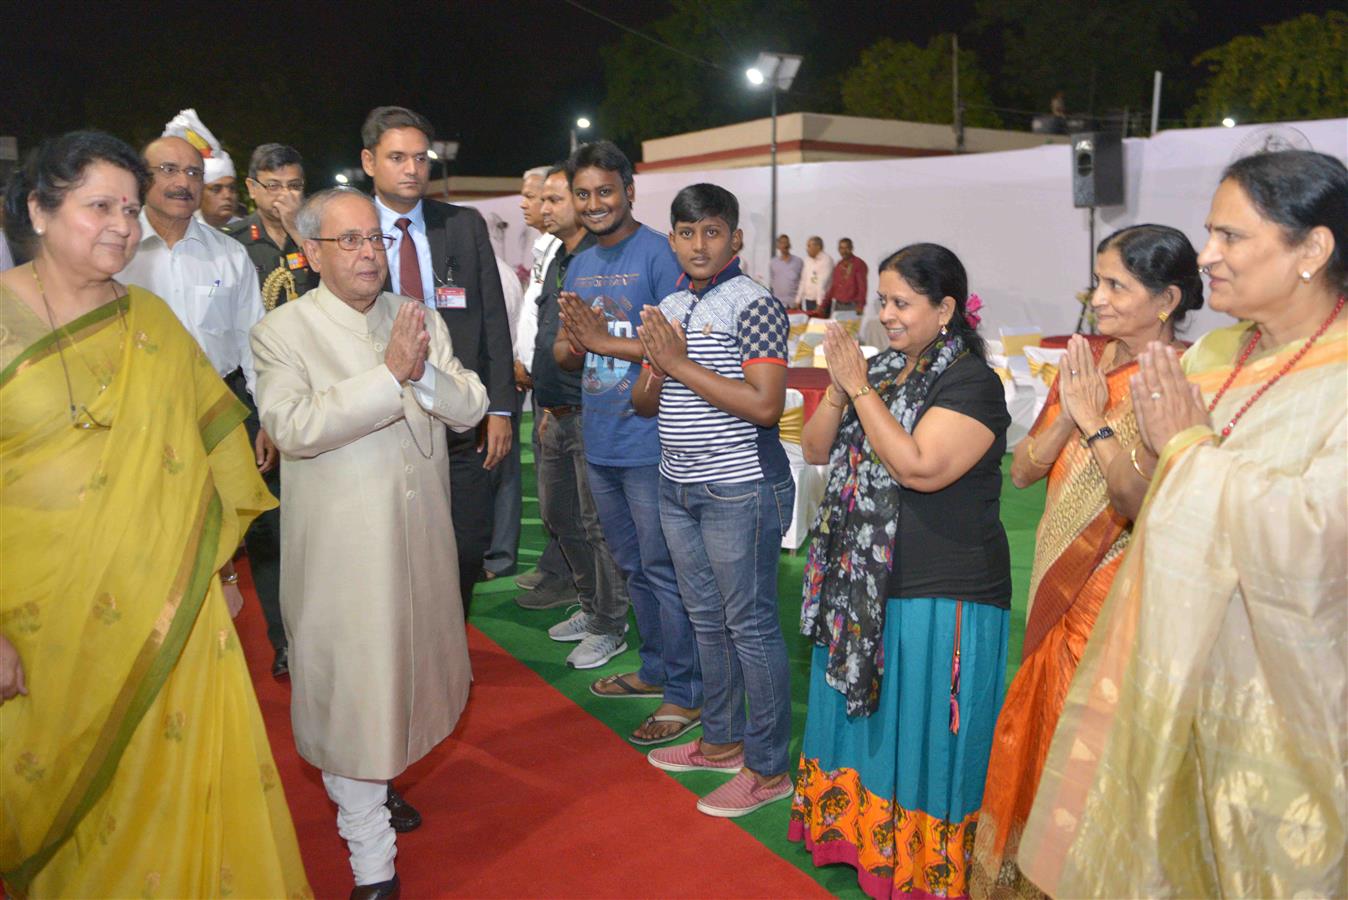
x,y
263,540
471,505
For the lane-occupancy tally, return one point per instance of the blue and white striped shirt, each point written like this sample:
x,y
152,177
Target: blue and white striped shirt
x,y
734,323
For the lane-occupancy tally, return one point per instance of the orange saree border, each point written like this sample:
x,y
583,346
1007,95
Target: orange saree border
x,y
896,851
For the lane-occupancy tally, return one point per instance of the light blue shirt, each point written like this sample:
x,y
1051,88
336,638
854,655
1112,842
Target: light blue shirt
x,y
417,229
388,224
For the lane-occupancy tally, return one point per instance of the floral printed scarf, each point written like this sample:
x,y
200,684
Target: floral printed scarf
x,y
852,548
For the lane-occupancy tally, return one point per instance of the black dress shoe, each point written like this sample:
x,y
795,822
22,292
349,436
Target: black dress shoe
x,y
280,667
403,816
380,890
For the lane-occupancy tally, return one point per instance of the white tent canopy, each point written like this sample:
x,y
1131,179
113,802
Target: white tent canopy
x,y
1009,216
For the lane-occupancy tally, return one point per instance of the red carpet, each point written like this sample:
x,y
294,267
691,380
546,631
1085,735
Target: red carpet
x,y
530,797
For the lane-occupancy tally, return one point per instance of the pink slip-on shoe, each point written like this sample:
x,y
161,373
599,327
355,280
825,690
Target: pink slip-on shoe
x,y
688,758
742,795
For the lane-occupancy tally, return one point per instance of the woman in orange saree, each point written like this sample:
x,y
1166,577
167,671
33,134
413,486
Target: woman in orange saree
x,y
1202,747
1147,280
134,758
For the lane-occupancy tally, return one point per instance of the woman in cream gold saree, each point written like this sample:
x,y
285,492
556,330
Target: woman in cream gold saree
x,y
1085,442
132,752
1203,744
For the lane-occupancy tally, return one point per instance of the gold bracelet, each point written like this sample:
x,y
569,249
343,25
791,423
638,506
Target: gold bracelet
x,y
861,392
1029,451
231,578
828,397
1132,455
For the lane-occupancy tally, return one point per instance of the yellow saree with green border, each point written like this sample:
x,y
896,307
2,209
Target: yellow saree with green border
x,y
138,764
1203,747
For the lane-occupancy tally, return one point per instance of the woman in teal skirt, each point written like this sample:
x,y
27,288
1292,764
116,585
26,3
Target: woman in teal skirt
x,y
907,590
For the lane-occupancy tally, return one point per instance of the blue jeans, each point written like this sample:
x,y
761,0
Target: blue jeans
x,y
628,501
725,540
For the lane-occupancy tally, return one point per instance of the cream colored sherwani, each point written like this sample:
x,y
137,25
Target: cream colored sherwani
x,y
369,574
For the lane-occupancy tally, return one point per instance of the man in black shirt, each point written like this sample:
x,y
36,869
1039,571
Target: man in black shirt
x,y
567,506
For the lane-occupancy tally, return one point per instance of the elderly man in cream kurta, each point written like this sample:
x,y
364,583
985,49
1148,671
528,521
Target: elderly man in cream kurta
x,y
355,386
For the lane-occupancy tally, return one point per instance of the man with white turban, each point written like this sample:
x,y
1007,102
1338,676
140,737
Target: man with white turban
x,y
220,196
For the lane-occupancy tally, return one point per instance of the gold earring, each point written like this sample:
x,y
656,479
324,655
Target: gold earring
x,y
1163,315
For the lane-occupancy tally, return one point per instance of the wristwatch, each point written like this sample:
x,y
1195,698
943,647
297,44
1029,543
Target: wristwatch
x,y
1105,432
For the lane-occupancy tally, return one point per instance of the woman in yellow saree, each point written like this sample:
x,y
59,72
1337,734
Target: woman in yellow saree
x,y
133,759
1203,744
1146,282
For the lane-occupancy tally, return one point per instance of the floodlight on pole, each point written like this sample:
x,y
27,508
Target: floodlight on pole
x,y
783,68
444,152
582,124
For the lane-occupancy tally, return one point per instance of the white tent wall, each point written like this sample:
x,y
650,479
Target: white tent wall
x,y
1009,216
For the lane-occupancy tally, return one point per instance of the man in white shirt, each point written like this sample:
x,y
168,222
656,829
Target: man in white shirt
x,y
552,573
545,247
815,275
203,275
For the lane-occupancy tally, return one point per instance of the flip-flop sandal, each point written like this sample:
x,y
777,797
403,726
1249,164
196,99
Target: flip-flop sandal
x,y
625,690
687,723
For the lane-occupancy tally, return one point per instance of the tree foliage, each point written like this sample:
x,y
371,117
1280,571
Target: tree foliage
x,y
1101,55
652,91
900,80
1296,69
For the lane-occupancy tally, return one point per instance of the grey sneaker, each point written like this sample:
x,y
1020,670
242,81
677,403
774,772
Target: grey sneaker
x,y
548,597
529,580
573,628
595,650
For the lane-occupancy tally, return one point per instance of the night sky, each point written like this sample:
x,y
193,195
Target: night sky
x,y
506,77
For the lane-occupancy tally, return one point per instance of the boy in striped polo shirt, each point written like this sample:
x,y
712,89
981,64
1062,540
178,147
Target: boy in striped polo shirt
x,y
716,376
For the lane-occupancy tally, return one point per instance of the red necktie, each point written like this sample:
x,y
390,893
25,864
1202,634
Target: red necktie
x,y
409,270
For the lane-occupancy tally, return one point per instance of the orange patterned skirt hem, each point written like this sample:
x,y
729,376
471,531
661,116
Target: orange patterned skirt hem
x,y
897,852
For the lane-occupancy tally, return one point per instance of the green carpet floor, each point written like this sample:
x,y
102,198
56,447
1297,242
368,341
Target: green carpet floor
x,y
523,634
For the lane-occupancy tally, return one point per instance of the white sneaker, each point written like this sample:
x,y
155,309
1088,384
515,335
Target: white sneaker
x,y
571,629
595,650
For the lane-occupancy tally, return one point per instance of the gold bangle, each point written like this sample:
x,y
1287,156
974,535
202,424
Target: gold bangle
x,y
861,392
828,397
231,578
1029,451
1132,455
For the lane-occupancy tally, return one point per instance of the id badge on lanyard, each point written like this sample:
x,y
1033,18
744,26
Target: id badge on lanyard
x,y
449,295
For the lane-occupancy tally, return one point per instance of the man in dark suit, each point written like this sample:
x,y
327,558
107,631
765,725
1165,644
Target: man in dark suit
x,y
443,256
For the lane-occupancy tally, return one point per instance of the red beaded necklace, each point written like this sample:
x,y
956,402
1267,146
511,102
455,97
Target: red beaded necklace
x,y
1249,348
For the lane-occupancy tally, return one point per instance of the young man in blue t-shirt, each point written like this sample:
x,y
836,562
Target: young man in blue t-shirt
x,y
717,378
607,286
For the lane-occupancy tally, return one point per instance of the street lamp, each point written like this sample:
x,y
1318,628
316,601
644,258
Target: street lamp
x,y
582,124
341,178
445,152
1228,122
777,70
